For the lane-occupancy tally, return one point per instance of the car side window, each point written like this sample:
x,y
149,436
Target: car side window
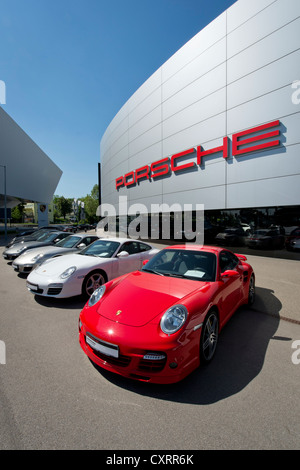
x,y
143,247
88,240
130,247
228,261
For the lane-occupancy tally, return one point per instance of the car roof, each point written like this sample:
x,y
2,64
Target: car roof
x,y
122,240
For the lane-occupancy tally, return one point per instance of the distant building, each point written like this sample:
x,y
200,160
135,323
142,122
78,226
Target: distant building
x,y
30,174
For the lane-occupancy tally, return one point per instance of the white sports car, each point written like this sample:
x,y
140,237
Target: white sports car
x,y
83,272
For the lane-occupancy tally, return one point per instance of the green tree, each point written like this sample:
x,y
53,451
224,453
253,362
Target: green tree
x,y
63,205
17,212
91,203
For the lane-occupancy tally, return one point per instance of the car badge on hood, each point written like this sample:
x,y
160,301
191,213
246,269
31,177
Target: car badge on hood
x,y
118,312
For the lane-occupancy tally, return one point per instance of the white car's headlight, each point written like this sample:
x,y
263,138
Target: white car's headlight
x,y
173,319
68,272
96,296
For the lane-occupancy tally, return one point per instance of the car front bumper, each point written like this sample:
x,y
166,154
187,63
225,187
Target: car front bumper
x,y
53,287
164,363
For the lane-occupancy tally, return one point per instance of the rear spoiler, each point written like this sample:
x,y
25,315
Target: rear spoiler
x,y
241,257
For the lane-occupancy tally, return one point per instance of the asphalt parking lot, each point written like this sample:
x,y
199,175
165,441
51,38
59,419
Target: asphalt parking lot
x,y
52,397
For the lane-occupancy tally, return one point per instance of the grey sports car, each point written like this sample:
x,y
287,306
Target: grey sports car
x,y
30,237
36,256
49,238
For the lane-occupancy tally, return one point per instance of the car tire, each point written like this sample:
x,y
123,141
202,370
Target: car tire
x,y
92,281
251,291
209,337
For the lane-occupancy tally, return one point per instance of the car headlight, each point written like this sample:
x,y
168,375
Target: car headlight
x,y
96,296
68,272
19,250
35,258
173,319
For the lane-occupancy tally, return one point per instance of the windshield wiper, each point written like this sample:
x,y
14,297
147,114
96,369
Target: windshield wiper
x,y
154,272
174,275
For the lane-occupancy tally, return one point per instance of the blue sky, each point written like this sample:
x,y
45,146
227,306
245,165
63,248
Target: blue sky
x,y
70,65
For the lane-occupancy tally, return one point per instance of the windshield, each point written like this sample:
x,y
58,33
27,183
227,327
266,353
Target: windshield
x,y
47,237
101,248
37,234
68,242
186,264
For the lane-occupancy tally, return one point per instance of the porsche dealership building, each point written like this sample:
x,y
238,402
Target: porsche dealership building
x,y
218,124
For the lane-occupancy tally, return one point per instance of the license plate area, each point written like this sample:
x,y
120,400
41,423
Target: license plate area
x,y
103,347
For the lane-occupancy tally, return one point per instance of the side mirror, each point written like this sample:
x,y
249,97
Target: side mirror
x,y
122,254
229,273
145,262
81,245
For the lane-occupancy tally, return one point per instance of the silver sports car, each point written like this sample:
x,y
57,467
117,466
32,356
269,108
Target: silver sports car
x,y
49,238
36,256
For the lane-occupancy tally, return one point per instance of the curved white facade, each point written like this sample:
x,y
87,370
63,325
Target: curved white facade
x,y
239,72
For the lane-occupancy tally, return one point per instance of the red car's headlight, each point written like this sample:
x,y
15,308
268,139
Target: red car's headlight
x,y
173,319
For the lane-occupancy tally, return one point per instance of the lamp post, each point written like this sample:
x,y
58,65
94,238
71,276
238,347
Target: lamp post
x,y
5,209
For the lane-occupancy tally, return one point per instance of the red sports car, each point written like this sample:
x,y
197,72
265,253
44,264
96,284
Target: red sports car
x,y
159,324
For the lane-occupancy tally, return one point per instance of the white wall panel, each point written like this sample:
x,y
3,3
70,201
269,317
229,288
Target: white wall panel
x,y
271,48
243,10
196,134
145,107
206,38
273,76
145,140
146,156
204,63
211,197
209,176
270,19
264,165
261,110
275,192
145,124
200,88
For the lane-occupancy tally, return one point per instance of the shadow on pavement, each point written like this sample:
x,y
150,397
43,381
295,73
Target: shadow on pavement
x,y
239,358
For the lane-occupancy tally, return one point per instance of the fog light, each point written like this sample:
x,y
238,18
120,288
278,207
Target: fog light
x,y
154,357
173,365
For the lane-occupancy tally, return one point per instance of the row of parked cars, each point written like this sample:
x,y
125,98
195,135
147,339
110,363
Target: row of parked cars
x,y
51,257
266,238
151,315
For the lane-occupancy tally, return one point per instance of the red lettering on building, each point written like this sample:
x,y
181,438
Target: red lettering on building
x,y
240,146
175,167
223,148
160,168
236,143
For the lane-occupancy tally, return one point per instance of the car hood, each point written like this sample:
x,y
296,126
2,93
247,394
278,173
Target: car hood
x,y
56,266
140,297
43,250
26,245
